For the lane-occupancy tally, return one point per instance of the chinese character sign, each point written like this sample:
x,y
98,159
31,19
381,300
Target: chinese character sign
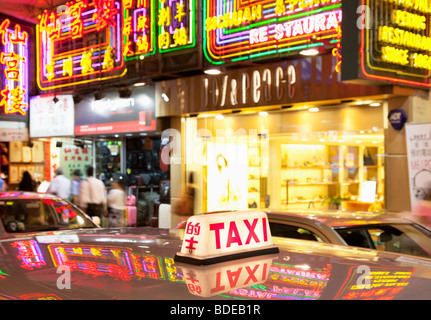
x,y
239,30
418,142
14,69
51,119
80,45
176,23
138,28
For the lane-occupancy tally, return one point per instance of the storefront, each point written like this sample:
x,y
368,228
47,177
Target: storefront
x,y
126,144
52,124
284,135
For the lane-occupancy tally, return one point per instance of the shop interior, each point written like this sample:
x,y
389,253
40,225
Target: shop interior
x,y
329,158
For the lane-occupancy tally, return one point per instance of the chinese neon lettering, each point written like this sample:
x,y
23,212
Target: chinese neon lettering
x,y
139,28
176,24
63,61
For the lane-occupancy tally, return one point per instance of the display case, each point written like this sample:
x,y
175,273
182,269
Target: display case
x,y
330,176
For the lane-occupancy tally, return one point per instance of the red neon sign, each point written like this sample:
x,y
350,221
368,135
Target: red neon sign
x,y
62,61
14,63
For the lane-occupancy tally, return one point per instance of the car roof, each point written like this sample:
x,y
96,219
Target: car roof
x,y
339,218
25,195
138,263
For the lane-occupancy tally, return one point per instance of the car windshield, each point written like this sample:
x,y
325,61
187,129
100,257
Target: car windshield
x,y
406,238
27,215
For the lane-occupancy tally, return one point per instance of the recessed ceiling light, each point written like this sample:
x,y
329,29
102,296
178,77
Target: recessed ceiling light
x,y
375,104
314,109
219,117
212,71
309,52
140,84
263,113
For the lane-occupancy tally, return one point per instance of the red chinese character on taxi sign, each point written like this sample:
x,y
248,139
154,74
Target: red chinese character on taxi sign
x,y
193,229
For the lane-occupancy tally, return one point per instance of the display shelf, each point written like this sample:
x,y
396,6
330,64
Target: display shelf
x,y
328,170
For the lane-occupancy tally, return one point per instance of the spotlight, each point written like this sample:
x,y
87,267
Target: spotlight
x,y
55,99
99,95
30,144
165,97
59,144
125,92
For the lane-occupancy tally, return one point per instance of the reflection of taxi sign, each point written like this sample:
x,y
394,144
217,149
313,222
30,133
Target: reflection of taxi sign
x,y
225,236
207,281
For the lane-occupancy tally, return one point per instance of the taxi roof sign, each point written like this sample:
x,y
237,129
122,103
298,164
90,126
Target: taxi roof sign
x,y
220,237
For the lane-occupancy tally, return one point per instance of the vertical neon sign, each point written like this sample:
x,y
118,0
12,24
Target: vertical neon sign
x,y
14,62
80,45
176,22
138,28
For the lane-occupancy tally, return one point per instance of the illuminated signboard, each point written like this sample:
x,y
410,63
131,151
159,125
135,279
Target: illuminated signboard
x,y
395,41
176,22
239,30
14,69
82,44
138,28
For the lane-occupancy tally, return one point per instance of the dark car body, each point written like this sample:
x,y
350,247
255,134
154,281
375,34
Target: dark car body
x,y
138,264
27,213
368,230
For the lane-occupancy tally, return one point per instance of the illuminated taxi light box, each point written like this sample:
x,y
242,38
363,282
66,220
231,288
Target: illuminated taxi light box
x,y
237,30
208,281
395,41
14,68
215,238
80,45
138,28
176,24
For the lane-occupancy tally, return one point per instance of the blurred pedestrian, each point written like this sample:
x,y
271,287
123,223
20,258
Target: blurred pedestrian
x,y
116,205
185,206
3,185
76,181
92,197
27,183
60,185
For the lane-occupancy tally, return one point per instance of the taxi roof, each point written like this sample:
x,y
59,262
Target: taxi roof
x,y
25,195
138,263
340,218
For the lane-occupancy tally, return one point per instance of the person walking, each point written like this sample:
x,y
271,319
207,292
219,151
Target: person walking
x,y
116,205
76,181
27,183
92,197
60,185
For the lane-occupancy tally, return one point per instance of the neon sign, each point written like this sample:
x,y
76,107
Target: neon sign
x,y
235,30
176,22
14,62
138,28
398,48
81,45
